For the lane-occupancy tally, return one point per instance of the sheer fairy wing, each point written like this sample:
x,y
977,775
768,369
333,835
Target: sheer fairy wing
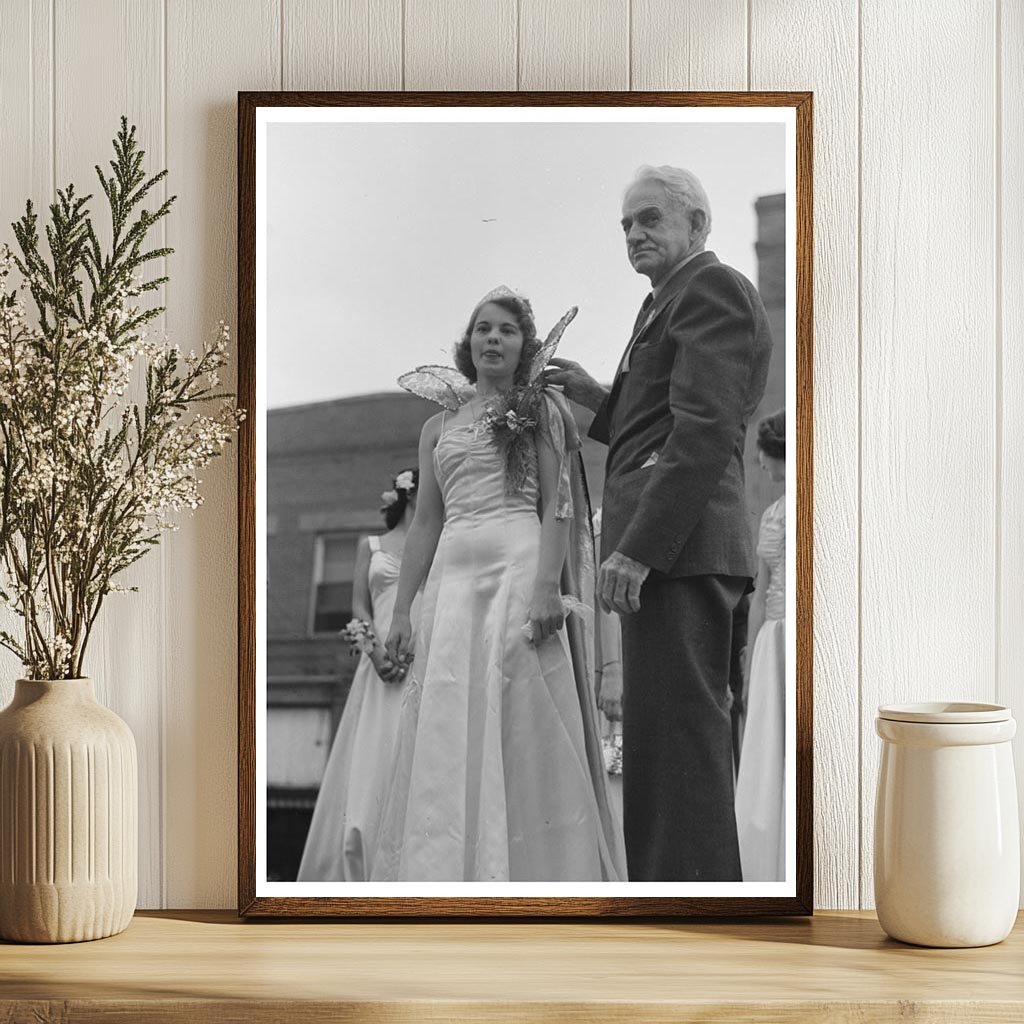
x,y
547,350
441,384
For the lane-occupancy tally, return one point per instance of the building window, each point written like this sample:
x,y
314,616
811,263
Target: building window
x,y
332,581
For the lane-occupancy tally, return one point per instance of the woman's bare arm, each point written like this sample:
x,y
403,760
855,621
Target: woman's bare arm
x,y
362,603
420,544
546,612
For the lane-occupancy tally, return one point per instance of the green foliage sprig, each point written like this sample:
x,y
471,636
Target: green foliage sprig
x,y
89,478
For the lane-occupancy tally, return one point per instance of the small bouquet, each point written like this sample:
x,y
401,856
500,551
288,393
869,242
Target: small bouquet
x,y
360,636
612,750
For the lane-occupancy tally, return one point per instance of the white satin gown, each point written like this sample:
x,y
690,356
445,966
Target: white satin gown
x,y
492,778
343,831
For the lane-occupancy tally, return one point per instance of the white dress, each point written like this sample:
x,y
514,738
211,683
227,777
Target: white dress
x,y
497,776
343,831
760,784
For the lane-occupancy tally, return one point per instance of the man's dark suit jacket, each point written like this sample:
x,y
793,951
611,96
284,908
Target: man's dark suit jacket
x,y
675,425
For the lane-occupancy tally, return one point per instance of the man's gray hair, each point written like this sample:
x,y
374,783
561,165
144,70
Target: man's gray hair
x,y
683,187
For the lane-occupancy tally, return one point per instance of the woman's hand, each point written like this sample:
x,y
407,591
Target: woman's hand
x,y
382,664
546,614
398,647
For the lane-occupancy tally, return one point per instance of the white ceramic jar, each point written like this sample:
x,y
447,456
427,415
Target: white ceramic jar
x,y
947,848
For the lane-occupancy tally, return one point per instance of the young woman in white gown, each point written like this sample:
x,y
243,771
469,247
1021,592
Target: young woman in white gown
x,y
498,771
760,783
343,831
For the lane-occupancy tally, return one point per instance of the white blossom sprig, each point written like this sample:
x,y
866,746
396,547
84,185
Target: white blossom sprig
x,y
89,478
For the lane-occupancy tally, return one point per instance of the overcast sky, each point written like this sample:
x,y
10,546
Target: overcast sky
x,y
382,237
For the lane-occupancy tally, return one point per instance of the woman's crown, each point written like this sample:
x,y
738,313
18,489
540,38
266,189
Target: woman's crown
x,y
502,292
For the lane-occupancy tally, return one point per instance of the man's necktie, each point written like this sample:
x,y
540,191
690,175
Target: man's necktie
x,y
641,319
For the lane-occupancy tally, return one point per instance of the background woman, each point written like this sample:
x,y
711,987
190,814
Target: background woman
x,y
498,772
343,831
760,784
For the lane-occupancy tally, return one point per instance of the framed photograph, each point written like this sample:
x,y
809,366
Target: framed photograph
x,y
525,504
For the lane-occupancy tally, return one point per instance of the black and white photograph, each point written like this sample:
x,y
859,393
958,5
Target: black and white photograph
x,y
525,554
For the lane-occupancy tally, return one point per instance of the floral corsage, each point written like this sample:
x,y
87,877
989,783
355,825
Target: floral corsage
x,y
360,636
511,419
513,414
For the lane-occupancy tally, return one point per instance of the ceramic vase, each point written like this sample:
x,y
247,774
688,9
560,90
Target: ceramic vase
x,y
68,815
947,848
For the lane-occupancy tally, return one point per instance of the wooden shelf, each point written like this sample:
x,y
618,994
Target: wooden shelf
x,y
210,967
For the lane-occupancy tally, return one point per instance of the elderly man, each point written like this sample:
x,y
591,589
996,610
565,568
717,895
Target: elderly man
x,y
676,549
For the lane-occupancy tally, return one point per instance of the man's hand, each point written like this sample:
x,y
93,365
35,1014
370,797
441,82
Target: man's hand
x,y
620,582
577,384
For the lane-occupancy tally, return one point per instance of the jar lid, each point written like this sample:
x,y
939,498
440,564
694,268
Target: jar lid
x,y
945,712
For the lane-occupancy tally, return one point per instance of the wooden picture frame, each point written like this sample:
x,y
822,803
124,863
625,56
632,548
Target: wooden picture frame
x,y
258,897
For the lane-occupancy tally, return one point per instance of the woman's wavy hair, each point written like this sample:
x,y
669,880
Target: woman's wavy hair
x,y
393,513
521,309
771,435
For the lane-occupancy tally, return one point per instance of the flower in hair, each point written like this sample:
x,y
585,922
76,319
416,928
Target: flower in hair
x,y
389,498
404,482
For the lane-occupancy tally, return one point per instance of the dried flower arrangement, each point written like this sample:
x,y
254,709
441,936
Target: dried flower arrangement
x,y
88,477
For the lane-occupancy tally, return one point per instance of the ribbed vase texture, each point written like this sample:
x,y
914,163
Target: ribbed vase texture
x,y
68,815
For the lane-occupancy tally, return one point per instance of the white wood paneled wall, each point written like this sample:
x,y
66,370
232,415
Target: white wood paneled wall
x,y
919,325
